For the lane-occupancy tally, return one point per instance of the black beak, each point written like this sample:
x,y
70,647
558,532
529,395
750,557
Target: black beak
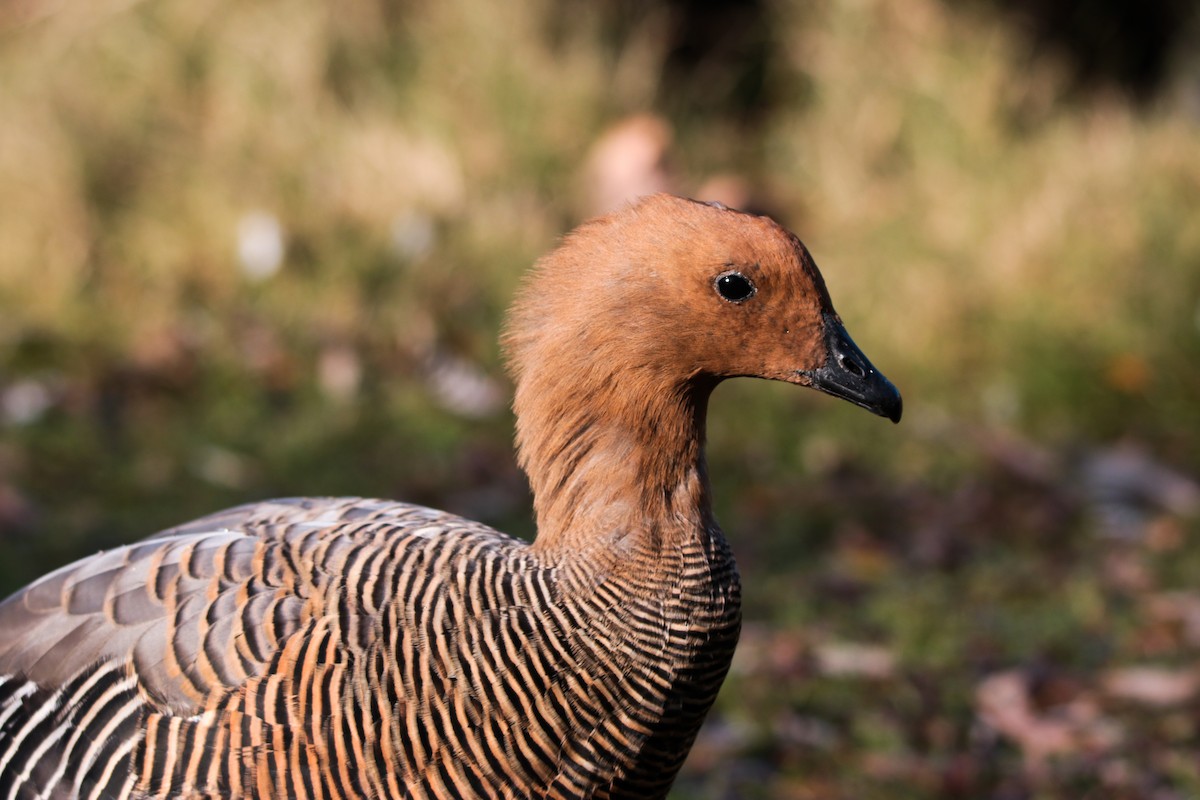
x,y
849,375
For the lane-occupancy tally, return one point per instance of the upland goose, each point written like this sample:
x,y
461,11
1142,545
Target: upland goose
x,y
351,648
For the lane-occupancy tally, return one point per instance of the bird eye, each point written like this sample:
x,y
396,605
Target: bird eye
x,y
734,287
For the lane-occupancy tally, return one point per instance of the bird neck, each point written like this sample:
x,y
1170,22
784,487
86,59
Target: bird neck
x,y
616,464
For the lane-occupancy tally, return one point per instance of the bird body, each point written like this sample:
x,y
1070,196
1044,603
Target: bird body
x,y
329,648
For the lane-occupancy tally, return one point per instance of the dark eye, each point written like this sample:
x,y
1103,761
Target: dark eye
x,y
734,287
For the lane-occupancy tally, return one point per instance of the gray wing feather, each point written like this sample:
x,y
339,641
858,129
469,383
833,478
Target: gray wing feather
x,y
172,605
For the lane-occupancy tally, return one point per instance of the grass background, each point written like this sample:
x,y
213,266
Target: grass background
x,y
956,607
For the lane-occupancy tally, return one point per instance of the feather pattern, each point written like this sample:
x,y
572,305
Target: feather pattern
x,y
354,648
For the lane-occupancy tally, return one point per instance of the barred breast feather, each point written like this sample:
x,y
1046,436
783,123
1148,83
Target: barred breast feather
x,y
353,648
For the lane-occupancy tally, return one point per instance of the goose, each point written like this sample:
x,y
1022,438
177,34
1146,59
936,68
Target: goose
x,y
358,648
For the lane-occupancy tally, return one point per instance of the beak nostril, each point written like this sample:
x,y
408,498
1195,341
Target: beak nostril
x,y
852,366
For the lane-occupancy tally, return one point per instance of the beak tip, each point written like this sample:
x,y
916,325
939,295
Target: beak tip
x,y
895,409
890,405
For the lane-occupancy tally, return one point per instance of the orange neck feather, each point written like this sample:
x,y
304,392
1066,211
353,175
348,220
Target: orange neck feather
x,y
609,430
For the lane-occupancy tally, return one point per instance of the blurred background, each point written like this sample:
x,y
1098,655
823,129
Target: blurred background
x,y
256,248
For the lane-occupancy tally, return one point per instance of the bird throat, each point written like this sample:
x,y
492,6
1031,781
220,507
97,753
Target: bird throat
x,y
621,470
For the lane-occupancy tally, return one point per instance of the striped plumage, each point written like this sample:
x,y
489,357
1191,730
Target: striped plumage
x,y
330,648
